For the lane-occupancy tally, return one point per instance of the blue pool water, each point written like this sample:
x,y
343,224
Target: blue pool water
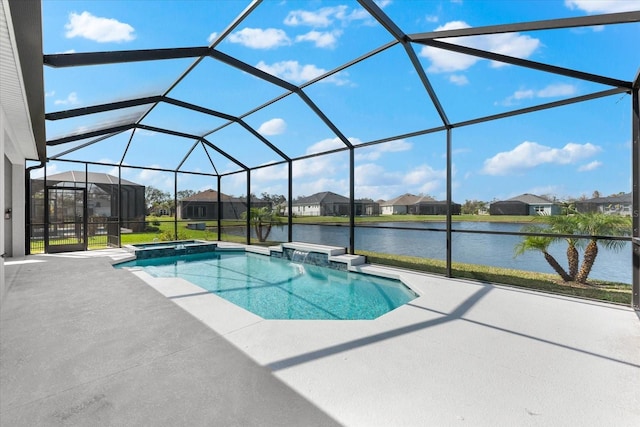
x,y
274,288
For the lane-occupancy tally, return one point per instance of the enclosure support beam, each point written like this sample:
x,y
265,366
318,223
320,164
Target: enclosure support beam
x,y
60,60
352,202
449,203
85,209
219,213
401,37
290,202
525,63
28,205
119,235
635,148
175,204
547,24
248,222
46,212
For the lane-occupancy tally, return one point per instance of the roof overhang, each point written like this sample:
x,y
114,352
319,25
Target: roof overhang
x,y
22,75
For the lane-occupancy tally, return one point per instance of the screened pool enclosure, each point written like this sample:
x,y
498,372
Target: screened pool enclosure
x,y
390,105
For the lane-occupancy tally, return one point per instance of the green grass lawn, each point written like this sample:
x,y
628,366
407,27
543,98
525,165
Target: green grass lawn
x,y
597,289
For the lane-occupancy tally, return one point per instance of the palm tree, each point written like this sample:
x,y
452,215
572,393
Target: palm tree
x,y
541,244
566,224
262,220
590,224
598,224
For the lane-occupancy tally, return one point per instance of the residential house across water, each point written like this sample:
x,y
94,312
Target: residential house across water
x,y
525,204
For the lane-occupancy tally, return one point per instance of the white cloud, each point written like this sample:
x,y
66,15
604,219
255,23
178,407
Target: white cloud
x,y
273,173
550,91
590,166
382,3
330,144
431,18
556,90
319,19
212,37
324,17
603,6
71,99
327,16
528,155
426,176
458,79
48,94
511,44
321,39
372,175
315,167
257,38
292,70
272,127
295,72
101,30
161,180
374,181
374,152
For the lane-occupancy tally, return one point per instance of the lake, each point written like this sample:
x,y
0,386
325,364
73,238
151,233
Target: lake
x,y
485,249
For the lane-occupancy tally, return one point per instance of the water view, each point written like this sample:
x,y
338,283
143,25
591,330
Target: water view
x,y
485,249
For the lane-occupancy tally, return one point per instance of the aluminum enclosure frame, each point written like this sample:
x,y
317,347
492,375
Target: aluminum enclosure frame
x,y
407,41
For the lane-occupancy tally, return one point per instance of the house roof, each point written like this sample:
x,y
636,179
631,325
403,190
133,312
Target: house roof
x,y
407,199
618,198
323,197
211,195
530,199
92,178
22,88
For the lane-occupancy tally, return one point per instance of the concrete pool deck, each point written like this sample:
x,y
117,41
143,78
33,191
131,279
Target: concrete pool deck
x,y
85,344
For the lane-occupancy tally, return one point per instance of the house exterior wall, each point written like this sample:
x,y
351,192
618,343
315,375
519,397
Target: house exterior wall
x,y
393,210
307,210
623,208
509,208
437,209
544,209
207,210
12,171
367,208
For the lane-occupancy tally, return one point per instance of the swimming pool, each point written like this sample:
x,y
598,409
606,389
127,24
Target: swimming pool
x,y
275,288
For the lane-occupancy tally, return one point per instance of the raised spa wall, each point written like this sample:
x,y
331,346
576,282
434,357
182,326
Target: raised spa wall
x,y
176,248
324,256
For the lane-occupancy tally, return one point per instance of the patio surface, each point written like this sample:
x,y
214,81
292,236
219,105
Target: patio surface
x,y
84,344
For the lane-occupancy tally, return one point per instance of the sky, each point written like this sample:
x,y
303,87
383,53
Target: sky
x,y
564,152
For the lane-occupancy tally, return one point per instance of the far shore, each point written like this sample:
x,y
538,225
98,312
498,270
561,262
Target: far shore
x,y
518,219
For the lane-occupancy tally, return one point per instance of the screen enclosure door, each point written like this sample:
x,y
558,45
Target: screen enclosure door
x,y
67,220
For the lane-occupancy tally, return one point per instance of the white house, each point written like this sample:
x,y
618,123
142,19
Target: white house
x,y
22,132
321,204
